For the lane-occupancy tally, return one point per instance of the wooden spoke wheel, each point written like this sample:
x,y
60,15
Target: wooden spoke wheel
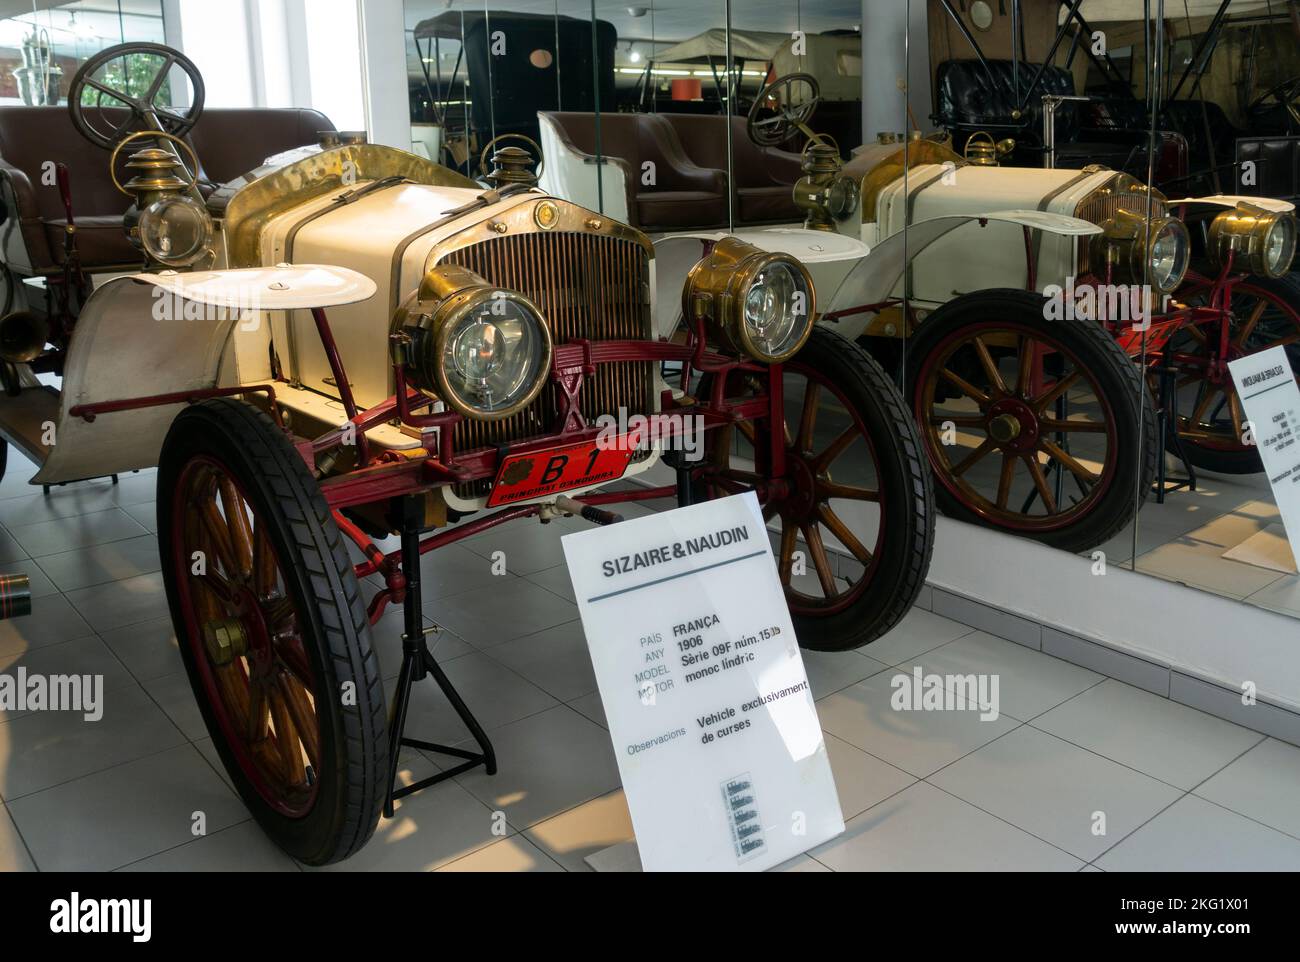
x,y
1211,422
272,629
1031,425
851,518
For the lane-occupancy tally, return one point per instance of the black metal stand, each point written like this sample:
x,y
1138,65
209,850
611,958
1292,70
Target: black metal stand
x,y
1166,421
418,663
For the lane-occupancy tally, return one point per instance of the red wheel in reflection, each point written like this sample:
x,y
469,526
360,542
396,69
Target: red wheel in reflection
x,y
1033,426
1211,421
272,629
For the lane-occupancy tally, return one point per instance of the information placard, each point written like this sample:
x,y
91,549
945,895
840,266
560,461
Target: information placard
x,y
1271,400
709,709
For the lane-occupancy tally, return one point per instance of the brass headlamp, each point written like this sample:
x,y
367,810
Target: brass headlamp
x,y
751,301
1262,242
1139,254
484,351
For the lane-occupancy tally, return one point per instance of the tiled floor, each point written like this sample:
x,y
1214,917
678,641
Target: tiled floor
x,y
1185,538
1077,770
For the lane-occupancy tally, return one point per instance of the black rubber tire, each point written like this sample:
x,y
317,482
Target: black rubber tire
x,y
1119,379
335,628
905,484
1286,288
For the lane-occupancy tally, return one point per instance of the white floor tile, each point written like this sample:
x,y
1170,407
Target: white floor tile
x,y
46,748
862,780
583,830
917,741
1263,784
548,763
918,632
1198,836
496,695
122,603
1055,791
240,848
13,852
429,829
53,620
126,813
491,616
102,563
82,657
922,829
556,660
65,534
513,854
1169,741
1029,683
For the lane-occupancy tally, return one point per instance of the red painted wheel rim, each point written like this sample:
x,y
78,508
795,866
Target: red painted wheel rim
x,y
1251,332
801,500
1014,425
263,698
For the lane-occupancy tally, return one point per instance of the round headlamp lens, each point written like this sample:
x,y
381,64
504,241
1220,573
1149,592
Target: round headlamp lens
x,y
1169,252
776,309
175,230
494,357
1279,247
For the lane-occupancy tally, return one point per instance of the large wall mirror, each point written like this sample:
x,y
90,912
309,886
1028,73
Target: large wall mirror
x,y
1065,360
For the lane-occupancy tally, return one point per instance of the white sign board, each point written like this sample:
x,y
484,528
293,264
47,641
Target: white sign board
x,y
1271,400
708,705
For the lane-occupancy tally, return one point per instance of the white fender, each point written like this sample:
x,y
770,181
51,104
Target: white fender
x,y
162,334
874,280
1232,200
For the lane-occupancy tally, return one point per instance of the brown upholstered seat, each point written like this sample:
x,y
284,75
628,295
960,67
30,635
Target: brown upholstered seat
x,y
763,177
228,143
683,193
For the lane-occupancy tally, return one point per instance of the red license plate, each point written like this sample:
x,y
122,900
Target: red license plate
x,y
540,474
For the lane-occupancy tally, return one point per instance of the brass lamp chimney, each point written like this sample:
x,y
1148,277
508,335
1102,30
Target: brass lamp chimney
x,y
821,165
155,176
512,165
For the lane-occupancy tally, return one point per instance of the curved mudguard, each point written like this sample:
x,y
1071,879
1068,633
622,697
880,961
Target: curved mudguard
x,y
158,334
876,278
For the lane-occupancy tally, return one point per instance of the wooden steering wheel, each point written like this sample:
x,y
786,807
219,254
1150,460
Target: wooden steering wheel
x,y
791,114
1285,94
113,79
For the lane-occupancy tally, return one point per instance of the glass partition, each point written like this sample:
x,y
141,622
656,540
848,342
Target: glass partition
x,y
1025,177
41,49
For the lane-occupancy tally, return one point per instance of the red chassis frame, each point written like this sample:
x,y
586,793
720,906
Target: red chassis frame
x,y
379,478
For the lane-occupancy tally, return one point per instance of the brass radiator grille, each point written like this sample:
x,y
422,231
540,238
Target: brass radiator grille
x,y
1102,205
587,287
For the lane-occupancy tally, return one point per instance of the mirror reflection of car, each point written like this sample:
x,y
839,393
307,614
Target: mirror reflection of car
x,y
476,342
1030,424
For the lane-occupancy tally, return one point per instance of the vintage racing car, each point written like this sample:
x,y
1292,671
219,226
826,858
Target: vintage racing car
x,y
350,343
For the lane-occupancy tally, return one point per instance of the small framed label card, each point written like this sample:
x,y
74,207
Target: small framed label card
x,y
708,705
1270,399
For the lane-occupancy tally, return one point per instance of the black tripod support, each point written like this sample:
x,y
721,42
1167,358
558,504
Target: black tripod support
x,y
1167,435
418,663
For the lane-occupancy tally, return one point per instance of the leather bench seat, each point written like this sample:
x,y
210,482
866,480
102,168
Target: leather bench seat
x,y
228,143
644,147
681,208
763,177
